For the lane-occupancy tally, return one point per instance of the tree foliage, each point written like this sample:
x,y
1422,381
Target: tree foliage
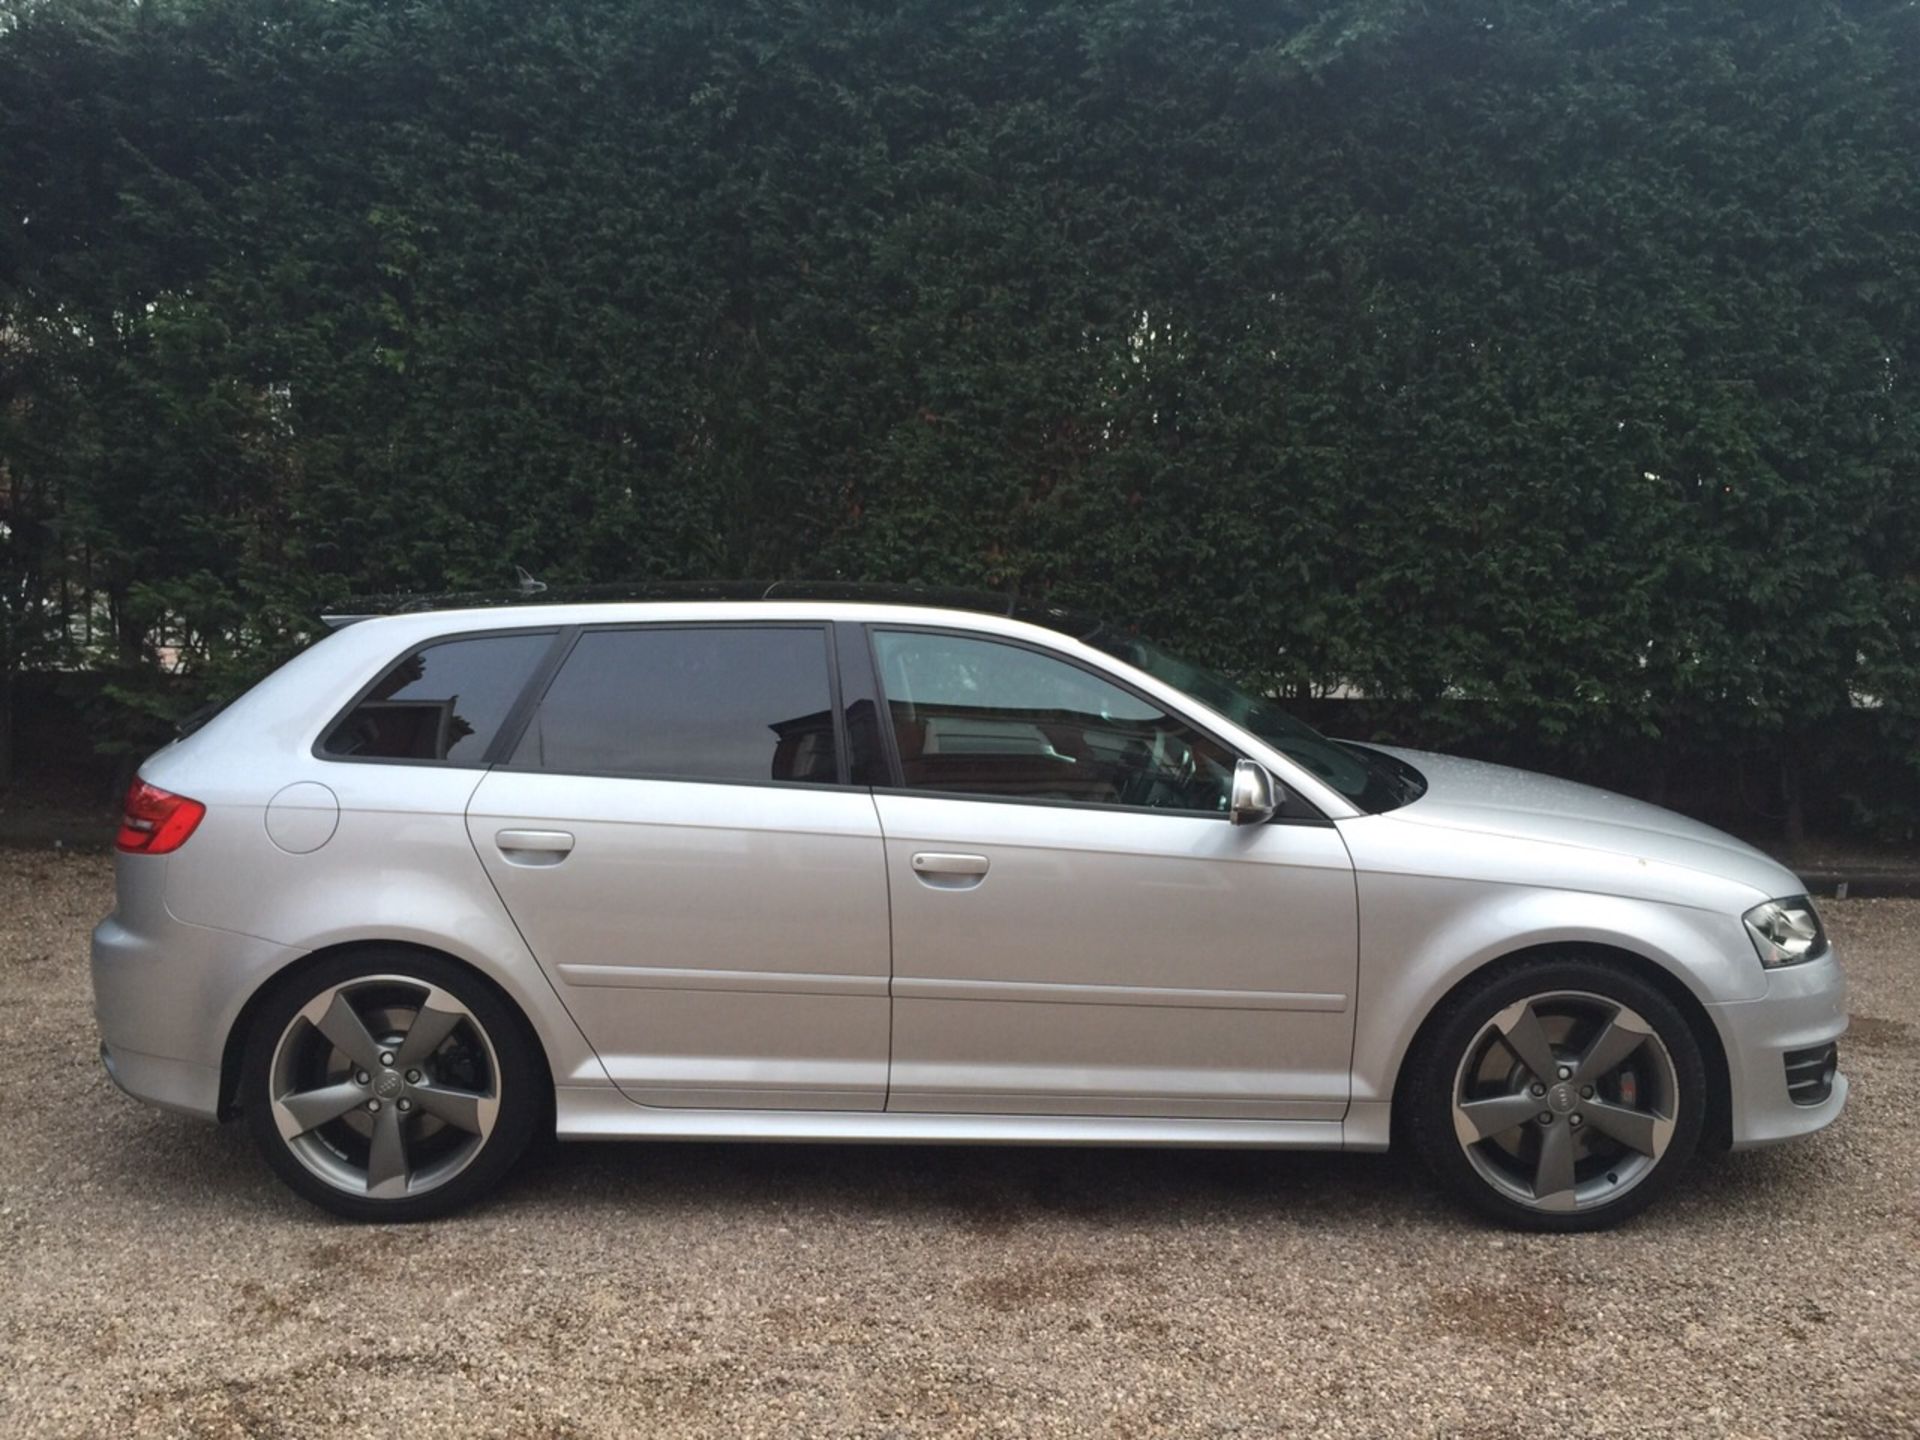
x,y
1555,358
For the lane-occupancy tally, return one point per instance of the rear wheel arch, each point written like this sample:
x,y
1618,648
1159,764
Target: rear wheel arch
x,y
1719,1120
233,1052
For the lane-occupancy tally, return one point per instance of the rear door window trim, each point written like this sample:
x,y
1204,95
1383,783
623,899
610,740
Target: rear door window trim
x,y
823,627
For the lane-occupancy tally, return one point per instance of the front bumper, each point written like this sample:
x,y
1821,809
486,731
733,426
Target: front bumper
x,y
166,993
1805,1006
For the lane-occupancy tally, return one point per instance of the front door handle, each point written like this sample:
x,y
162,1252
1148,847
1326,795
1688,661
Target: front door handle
x,y
952,872
534,847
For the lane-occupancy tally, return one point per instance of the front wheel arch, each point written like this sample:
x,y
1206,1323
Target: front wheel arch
x,y
235,1047
1718,1133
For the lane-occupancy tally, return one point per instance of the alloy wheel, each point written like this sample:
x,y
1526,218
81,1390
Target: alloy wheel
x,y
1565,1101
384,1086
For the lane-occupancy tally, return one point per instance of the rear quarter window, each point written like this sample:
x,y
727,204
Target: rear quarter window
x,y
443,703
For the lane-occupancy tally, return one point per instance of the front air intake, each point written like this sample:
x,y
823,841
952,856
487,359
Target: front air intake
x,y
1810,1073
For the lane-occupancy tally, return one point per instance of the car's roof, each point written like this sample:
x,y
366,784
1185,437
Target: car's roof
x,y
386,632
599,604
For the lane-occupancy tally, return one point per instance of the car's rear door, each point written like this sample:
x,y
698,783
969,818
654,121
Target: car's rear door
x,y
675,838
1077,926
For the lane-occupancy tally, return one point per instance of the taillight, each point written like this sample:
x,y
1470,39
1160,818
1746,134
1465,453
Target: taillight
x,y
156,821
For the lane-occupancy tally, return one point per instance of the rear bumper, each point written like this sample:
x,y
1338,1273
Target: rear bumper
x,y
166,994
176,1085
1805,1006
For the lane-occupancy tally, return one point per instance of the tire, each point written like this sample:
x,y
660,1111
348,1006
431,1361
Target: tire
x,y
390,1084
1619,1112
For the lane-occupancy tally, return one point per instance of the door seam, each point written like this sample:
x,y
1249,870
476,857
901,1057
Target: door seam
x,y
473,843
886,874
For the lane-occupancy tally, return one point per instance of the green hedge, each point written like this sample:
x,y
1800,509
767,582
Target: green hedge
x,y
1548,363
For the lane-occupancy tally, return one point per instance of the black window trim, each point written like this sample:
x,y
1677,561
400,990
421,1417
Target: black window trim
x,y
572,637
889,742
856,680
558,633
530,697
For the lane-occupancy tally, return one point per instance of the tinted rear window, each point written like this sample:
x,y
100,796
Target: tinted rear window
x,y
444,702
690,704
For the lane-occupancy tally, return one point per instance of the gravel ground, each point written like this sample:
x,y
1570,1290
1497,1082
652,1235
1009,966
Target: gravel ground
x,y
157,1281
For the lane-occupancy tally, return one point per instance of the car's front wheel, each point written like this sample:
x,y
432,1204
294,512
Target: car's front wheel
x,y
389,1085
1558,1093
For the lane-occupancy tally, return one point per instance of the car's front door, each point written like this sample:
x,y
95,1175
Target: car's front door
x,y
1077,926
672,836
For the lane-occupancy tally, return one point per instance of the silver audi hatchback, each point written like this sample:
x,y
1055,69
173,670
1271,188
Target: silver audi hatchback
x,y
799,870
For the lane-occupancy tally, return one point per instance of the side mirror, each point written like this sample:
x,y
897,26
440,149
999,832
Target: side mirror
x,y
1256,794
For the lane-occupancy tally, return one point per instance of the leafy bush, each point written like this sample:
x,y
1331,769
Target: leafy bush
x,y
1554,359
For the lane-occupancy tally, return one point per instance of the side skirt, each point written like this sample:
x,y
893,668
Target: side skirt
x,y
600,1113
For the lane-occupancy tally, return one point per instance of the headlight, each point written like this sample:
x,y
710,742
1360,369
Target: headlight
x,y
1785,932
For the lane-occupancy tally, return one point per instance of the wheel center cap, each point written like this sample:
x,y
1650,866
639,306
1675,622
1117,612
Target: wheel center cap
x,y
388,1084
1560,1099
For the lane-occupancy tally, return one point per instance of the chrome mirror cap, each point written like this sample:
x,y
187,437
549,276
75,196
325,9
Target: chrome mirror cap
x,y
1256,794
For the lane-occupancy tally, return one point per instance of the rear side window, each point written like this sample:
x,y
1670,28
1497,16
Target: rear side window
x,y
444,702
714,703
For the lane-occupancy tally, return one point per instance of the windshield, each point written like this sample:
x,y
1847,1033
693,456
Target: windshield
x,y
1371,780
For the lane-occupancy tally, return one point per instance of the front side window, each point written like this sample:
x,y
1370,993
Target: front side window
x,y
444,702
1375,782
982,717
712,703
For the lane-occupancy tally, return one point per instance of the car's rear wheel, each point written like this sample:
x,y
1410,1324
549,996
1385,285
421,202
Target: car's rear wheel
x,y
1558,1094
389,1085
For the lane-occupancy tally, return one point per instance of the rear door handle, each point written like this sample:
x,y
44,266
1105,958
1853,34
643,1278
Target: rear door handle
x,y
534,847
951,871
